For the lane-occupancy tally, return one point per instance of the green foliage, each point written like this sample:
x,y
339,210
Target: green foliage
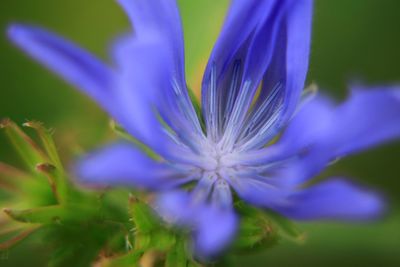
x,y
176,256
104,227
263,229
24,145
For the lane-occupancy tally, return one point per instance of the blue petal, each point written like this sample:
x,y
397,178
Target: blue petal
x,y
160,21
145,93
370,117
259,191
215,231
144,71
152,82
334,199
175,208
297,47
285,73
312,123
123,164
201,192
222,195
227,60
70,62
159,18
95,79
324,132
129,95
241,21
267,40
213,227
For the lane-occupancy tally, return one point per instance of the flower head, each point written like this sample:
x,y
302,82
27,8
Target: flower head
x,y
258,136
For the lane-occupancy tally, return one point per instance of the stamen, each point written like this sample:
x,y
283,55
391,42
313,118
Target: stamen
x,y
212,116
261,126
203,188
261,113
185,139
186,107
181,181
238,113
268,130
232,92
222,195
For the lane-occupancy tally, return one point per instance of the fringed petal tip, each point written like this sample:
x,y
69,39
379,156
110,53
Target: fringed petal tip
x,y
72,63
13,30
17,31
21,34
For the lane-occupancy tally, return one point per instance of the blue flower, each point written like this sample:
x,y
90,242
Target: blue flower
x,y
258,136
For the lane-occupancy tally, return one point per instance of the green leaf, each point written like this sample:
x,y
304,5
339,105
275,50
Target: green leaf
x,y
143,217
255,232
10,177
46,138
40,215
53,214
25,146
267,221
129,260
162,240
50,172
55,170
176,257
75,254
18,237
57,180
286,227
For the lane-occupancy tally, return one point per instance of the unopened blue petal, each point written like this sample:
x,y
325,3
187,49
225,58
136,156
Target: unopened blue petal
x,y
334,199
123,164
70,62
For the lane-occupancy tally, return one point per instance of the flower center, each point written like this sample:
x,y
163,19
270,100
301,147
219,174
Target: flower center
x,y
217,160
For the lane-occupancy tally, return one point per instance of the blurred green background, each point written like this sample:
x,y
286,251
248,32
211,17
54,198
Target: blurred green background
x,y
353,40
